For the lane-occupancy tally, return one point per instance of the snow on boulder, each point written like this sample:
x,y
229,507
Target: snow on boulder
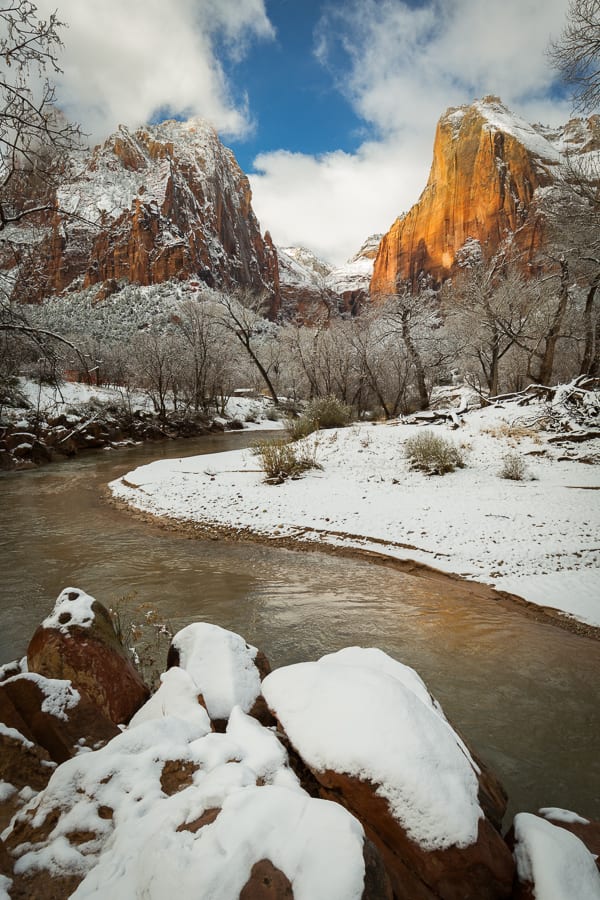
x,y
78,642
552,863
371,734
52,714
225,669
165,803
60,835
261,842
587,830
176,696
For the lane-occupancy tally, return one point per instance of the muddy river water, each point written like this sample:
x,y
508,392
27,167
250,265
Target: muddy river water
x,y
523,692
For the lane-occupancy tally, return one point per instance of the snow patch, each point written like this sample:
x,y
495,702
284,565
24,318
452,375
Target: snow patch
x,y
73,607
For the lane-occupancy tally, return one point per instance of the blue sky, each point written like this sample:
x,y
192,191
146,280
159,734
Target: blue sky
x,y
294,102
329,105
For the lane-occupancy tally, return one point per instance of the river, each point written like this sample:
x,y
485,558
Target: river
x,y
523,692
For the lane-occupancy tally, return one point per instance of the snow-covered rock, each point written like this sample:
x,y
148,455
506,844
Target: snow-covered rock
x,y
225,670
370,733
78,642
552,864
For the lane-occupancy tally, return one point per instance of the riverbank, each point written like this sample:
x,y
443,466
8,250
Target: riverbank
x,y
50,422
534,539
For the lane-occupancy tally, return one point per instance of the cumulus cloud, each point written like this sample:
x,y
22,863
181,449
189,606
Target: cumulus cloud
x,y
126,62
401,66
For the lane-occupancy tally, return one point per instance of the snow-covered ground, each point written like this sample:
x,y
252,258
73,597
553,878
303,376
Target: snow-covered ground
x,y
538,538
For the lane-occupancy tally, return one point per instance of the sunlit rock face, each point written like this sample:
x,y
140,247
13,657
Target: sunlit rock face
x,y
167,201
487,180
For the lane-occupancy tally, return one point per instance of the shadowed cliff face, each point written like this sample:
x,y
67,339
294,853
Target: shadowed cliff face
x,y
168,201
487,166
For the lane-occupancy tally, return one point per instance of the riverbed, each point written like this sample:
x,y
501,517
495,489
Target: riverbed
x,y
524,692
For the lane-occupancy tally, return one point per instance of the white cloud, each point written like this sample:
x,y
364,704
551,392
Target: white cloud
x,y
123,61
401,66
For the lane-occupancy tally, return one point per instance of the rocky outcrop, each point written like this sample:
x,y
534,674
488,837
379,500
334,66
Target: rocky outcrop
x,y
311,290
78,642
305,295
167,201
485,185
373,739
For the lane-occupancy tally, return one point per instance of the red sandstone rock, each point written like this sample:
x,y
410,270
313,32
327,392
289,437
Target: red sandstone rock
x,y
165,202
482,871
53,715
369,736
487,165
78,643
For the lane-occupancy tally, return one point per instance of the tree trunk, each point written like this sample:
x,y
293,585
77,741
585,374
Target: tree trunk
x,y
590,362
262,371
547,363
417,362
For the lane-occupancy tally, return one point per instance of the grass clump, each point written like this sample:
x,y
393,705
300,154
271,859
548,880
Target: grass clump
x,y
322,412
433,454
329,412
144,634
282,459
514,467
301,427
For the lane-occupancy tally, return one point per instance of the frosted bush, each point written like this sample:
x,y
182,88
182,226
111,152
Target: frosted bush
x,y
433,454
281,459
514,467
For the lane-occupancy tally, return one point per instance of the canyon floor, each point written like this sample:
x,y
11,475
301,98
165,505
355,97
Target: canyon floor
x,y
534,538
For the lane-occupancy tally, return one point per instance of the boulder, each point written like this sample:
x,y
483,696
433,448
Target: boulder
x,y
78,642
587,830
168,802
551,862
226,670
373,739
53,715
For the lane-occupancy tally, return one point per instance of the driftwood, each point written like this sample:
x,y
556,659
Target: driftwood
x,y
79,428
572,410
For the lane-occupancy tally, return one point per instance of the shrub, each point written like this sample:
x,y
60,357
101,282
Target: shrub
x,y
146,637
329,412
514,467
433,454
301,427
281,459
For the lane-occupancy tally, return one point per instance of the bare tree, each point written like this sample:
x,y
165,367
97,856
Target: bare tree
x,y
239,313
32,131
491,308
414,318
576,54
34,138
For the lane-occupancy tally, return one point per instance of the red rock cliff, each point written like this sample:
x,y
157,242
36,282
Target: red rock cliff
x,y
487,165
167,201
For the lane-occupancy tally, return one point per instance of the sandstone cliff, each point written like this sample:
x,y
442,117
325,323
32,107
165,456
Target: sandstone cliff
x,y
489,168
166,201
